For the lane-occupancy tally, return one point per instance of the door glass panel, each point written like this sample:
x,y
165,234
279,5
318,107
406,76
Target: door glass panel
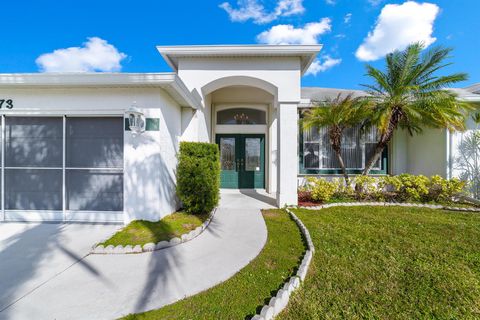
x,y
252,154
227,153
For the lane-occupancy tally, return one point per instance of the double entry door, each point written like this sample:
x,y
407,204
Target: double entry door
x,y
242,158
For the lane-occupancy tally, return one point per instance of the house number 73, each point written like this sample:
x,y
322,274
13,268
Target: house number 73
x,y
7,103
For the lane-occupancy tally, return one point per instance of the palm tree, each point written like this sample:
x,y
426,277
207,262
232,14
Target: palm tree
x,y
337,115
409,95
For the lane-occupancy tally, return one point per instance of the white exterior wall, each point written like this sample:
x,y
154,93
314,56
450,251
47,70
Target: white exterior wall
x,y
287,164
197,73
427,153
398,153
149,159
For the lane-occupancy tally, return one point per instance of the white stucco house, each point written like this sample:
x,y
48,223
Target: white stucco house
x,y
68,154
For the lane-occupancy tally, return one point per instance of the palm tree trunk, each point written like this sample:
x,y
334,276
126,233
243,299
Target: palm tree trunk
x,y
376,155
336,142
338,153
385,138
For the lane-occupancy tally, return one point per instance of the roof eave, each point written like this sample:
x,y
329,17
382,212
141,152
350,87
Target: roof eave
x,y
307,53
170,82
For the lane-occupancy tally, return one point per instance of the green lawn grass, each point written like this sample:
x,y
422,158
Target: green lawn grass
x,y
142,232
390,263
241,296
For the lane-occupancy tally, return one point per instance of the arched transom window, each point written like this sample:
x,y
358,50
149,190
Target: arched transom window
x,y
243,116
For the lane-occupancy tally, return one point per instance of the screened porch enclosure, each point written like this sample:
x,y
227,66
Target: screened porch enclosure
x,y
62,168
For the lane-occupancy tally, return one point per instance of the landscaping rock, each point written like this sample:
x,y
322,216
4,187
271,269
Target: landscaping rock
x,y
257,317
296,282
99,249
149,247
137,249
198,230
119,249
175,241
128,249
283,297
186,237
267,312
162,244
302,273
109,249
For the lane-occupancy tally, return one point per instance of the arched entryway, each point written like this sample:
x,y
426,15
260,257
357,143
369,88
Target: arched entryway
x,y
243,120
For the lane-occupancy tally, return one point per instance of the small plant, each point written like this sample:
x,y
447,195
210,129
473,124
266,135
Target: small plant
x,y
414,188
444,190
366,187
322,190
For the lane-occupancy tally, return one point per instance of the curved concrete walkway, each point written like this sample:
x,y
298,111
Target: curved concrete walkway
x,y
111,286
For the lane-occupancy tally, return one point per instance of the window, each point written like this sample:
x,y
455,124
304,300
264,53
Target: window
x,y
241,116
357,148
39,158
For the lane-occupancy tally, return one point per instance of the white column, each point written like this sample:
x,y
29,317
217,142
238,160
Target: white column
x,y
287,154
272,151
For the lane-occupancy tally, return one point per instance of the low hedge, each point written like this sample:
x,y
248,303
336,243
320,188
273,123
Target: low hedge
x,y
401,188
198,176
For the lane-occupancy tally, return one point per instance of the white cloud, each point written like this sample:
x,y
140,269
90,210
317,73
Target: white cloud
x,y
375,2
252,9
95,55
322,64
331,2
397,27
347,18
288,34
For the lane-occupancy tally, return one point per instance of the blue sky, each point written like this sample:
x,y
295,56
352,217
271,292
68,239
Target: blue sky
x,y
123,34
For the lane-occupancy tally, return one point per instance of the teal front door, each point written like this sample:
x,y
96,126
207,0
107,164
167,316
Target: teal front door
x,y
242,158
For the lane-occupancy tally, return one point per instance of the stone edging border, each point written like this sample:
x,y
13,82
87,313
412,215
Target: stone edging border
x,y
280,300
150,247
389,204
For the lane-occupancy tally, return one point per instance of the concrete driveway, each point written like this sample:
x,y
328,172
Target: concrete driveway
x,y
111,286
32,254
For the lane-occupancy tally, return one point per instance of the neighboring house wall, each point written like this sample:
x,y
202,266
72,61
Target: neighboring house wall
x,y
149,159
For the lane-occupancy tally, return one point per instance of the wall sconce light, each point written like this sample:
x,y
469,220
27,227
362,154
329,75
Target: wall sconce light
x,y
136,119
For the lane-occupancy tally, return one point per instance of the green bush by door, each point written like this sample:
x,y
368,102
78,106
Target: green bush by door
x,y
198,176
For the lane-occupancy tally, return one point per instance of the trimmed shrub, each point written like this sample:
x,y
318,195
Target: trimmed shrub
x,y
322,190
414,188
401,188
198,176
444,190
366,187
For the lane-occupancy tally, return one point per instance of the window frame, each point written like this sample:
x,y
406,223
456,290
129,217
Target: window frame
x,y
334,171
